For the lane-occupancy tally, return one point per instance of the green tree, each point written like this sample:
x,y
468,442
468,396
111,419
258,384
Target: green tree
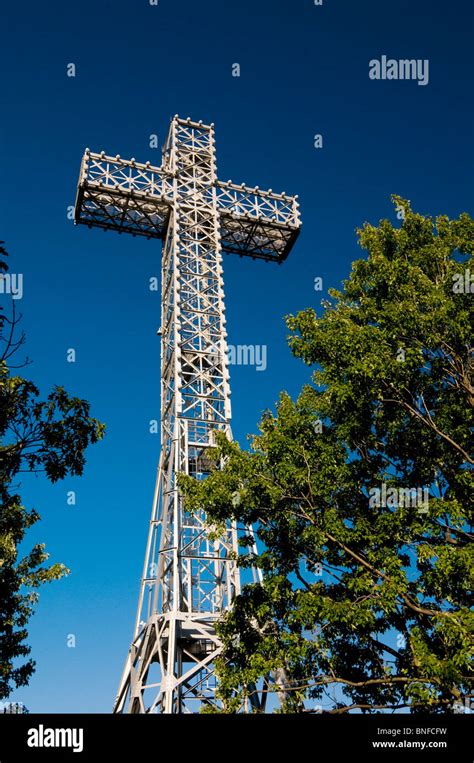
x,y
359,492
48,436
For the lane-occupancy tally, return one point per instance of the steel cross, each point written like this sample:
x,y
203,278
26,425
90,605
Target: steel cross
x,y
189,579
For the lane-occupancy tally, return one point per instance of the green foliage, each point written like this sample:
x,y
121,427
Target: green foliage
x,y
48,436
16,576
362,605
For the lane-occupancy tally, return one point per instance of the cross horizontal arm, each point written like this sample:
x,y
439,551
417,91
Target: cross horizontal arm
x,y
130,197
257,223
123,195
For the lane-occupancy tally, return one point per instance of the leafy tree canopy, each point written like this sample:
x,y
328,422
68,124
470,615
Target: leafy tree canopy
x,y
359,492
49,436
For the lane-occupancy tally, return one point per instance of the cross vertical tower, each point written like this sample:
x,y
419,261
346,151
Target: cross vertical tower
x,y
188,579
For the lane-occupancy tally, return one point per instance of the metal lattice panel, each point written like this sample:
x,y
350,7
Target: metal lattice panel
x,y
189,577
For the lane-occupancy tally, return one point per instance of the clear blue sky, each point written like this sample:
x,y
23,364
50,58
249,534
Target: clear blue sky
x,y
304,70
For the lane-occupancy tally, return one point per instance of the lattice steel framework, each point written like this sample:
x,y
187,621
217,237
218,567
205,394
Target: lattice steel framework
x,y
188,579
